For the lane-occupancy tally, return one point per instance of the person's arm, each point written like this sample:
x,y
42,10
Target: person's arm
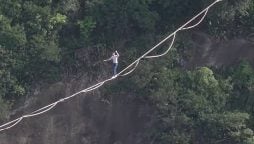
x,y
108,59
117,53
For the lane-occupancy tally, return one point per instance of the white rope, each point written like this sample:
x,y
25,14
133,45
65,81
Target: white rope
x,y
16,122
125,74
190,27
41,112
170,46
10,122
44,109
47,108
179,29
94,87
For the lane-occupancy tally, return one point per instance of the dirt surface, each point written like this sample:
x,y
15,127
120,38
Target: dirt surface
x,y
206,50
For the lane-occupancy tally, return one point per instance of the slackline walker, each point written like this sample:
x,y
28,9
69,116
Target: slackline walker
x,y
114,58
129,69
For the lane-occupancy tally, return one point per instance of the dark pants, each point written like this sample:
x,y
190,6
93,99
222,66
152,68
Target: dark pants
x,y
115,68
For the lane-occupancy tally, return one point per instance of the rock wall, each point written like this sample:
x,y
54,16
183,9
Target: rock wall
x,y
85,119
206,50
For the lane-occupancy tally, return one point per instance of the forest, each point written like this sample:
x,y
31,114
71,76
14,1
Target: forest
x,y
41,43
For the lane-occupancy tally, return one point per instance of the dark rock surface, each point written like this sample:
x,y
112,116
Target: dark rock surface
x,y
85,119
207,50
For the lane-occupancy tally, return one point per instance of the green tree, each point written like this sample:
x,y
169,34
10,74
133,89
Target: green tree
x,y
226,128
118,20
243,80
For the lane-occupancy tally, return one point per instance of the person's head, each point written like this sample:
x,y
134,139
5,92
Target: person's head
x,y
114,53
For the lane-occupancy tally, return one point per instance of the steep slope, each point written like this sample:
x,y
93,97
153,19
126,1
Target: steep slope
x,y
86,119
117,119
207,50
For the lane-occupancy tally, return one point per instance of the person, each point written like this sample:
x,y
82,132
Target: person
x,y
114,59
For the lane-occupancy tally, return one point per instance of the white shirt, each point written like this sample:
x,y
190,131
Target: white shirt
x,y
114,58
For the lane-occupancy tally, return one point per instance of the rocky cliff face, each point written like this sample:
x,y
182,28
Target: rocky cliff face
x,y
207,50
85,119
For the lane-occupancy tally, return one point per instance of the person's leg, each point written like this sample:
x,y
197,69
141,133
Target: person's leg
x,y
115,68
114,65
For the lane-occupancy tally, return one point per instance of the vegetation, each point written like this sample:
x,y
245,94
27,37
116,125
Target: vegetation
x,y
38,41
